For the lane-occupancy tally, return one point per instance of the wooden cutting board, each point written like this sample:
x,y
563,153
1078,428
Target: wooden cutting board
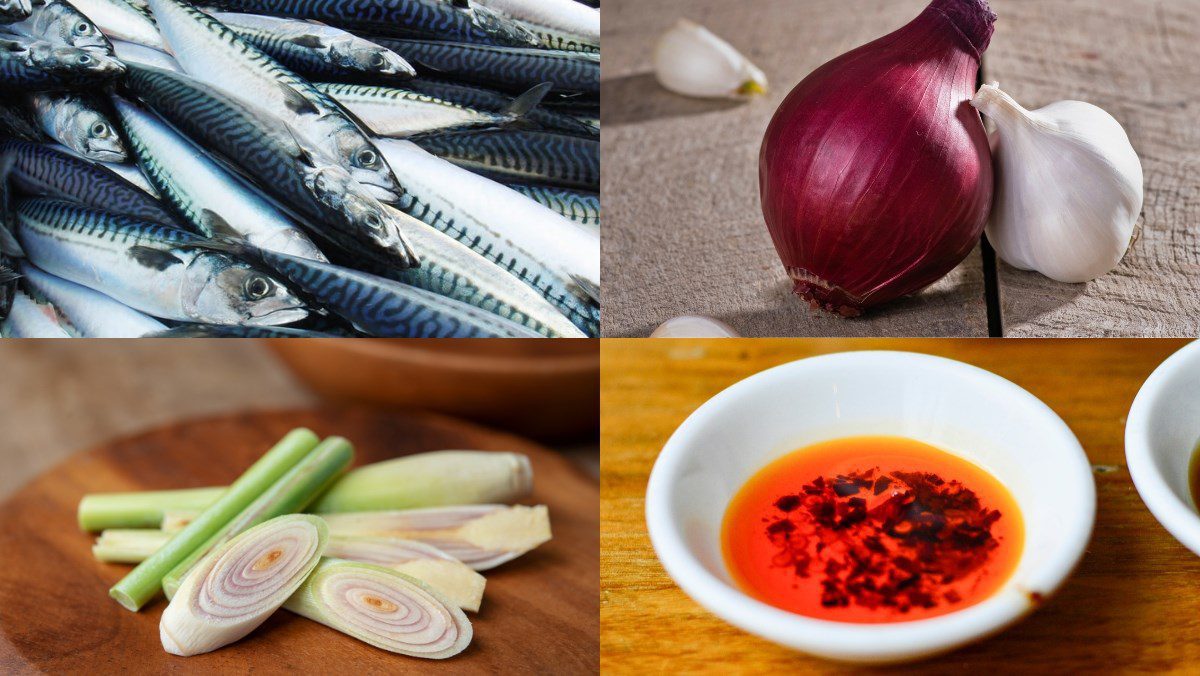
x,y
540,613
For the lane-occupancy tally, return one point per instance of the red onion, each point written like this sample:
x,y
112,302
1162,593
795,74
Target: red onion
x,y
875,172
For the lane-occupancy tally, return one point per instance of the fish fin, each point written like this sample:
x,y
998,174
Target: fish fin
x,y
520,106
310,41
154,258
8,275
297,103
215,225
588,287
422,64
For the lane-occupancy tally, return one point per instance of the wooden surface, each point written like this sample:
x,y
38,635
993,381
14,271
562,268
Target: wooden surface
x,y
684,232
539,612
59,396
1133,604
1140,61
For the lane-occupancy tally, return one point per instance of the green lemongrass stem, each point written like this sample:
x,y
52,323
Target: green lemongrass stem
x,y
144,581
128,545
434,479
144,509
289,494
481,536
173,521
237,587
454,579
382,607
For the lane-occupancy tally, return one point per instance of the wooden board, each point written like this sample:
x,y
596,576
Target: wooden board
x,y
1133,604
1140,61
539,612
683,231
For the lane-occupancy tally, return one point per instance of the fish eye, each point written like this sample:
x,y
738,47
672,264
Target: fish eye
x,y
377,61
373,221
367,157
84,59
100,129
83,28
257,287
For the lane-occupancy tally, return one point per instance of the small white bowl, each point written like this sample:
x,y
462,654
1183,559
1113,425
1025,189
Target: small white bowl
x,y
954,406
1160,436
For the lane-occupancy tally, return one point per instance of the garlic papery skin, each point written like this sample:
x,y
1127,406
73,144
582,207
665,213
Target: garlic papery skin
x,y
1068,187
690,60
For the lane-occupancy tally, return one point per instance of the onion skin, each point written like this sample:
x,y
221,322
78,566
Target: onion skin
x,y
875,172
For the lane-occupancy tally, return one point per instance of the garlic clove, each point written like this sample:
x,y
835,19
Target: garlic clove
x,y
1068,187
690,60
694,326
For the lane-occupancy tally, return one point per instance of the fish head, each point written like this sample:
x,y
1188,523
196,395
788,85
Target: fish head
x,y
368,57
102,141
502,29
75,61
359,209
225,290
366,164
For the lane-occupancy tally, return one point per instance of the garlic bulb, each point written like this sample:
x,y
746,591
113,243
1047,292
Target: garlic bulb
x,y
694,326
1068,187
690,60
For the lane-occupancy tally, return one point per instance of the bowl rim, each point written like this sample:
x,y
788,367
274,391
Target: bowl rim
x,y
858,642
1172,512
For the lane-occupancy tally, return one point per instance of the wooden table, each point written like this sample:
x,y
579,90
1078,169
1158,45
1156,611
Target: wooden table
x,y
1133,602
683,228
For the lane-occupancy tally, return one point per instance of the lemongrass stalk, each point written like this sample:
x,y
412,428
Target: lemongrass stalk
x,y
174,520
434,479
144,509
289,494
239,585
481,536
431,480
382,607
128,545
144,581
453,578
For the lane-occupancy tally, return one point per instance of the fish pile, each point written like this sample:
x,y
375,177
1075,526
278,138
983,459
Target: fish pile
x,y
278,168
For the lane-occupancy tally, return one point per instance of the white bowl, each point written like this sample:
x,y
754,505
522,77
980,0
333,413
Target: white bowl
x,y
1160,436
962,409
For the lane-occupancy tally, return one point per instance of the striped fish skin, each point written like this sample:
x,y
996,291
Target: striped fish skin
x,y
14,10
212,200
557,258
436,19
507,68
162,271
132,52
450,268
580,206
233,331
30,319
76,121
120,20
482,98
334,206
212,53
34,65
59,23
314,50
385,308
89,313
396,112
515,156
41,170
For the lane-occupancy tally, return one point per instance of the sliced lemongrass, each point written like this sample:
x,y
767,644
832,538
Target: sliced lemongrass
x,y
289,494
239,585
431,479
481,536
454,579
144,581
382,607
173,521
128,545
143,509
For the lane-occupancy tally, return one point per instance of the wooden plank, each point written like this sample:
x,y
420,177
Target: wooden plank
x,y
1132,602
1140,61
683,231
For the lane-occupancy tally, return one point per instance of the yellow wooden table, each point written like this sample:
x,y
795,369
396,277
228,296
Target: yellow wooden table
x,y
1134,602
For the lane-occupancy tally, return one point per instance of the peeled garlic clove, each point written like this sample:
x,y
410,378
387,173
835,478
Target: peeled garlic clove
x,y
690,60
694,326
1068,187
